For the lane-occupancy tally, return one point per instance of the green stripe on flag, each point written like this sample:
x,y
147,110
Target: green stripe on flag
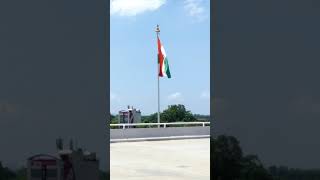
x,y
167,70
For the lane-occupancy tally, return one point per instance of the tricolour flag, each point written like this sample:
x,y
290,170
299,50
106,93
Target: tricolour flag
x,y
163,61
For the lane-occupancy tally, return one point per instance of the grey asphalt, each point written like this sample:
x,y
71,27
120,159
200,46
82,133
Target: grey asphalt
x,y
187,159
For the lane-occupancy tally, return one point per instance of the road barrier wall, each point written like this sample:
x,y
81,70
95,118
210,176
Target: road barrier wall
x,y
158,132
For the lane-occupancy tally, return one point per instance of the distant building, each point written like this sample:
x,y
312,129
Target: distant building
x,y
69,164
42,166
131,115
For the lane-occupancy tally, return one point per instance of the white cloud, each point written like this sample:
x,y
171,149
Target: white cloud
x,y
175,97
195,9
134,7
205,95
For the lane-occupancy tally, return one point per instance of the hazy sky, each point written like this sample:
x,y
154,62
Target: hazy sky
x,y
53,77
185,34
266,80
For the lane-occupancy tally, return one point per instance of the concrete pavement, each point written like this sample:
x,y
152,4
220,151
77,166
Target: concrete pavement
x,y
187,159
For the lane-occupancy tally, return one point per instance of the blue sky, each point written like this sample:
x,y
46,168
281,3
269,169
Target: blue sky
x,y
185,35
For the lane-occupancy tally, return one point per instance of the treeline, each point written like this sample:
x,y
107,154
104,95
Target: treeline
x,y
285,173
229,163
21,174
174,113
200,117
7,174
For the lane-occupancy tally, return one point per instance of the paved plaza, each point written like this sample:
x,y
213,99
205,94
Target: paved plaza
x,y
187,159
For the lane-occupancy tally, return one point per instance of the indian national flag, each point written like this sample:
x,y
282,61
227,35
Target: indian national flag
x,y
163,61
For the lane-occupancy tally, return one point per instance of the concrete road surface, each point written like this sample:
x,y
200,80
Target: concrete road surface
x,y
187,159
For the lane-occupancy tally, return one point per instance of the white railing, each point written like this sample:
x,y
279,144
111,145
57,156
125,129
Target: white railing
x,y
163,125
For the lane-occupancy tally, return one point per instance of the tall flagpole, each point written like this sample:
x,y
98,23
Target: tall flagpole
x,y
158,30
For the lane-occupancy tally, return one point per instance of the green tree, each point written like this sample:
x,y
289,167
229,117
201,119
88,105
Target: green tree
x,y
104,175
253,169
174,113
226,159
21,174
150,119
6,173
177,113
228,162
113,119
